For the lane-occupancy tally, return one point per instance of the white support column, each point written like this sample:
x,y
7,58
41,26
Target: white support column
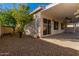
x,y
59,26
52,27
74,27
41,27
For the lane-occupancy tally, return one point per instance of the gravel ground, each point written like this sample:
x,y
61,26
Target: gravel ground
x,y
29,46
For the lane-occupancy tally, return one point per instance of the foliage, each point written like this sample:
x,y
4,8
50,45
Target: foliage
x,y
16,17
6,19
21,14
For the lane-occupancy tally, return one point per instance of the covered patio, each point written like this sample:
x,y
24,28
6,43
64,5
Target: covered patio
x,y
60,18
66,35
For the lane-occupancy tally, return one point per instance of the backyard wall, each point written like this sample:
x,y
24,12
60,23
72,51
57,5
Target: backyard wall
x,y
5,30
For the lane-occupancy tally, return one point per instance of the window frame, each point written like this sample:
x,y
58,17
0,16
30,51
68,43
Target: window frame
x,y
56,25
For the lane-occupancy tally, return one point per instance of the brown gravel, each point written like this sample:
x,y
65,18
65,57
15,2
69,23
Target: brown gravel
x,y
29,46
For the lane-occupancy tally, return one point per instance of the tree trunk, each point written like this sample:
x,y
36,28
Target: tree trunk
x,y
20,34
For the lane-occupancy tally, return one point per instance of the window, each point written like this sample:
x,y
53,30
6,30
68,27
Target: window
x,y
46,26
62,25
56,25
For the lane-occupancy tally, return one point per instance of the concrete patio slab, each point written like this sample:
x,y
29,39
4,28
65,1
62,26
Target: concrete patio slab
x,y
65,40
73,45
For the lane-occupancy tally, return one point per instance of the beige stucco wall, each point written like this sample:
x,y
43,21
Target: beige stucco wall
x,y
37,25
56,31
48,16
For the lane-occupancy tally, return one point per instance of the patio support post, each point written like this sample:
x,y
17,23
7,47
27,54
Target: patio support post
x,y
74,27
52,27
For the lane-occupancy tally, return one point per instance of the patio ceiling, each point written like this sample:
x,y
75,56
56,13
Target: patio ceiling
x,y
62,10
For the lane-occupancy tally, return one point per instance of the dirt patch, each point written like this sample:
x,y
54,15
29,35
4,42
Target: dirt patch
x,y
29,46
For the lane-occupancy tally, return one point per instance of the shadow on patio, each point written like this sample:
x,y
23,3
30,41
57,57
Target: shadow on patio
x,y
12,45
74,37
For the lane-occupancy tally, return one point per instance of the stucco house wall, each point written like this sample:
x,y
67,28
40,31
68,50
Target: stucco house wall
x,y
56,31
37,24
35,28
48,16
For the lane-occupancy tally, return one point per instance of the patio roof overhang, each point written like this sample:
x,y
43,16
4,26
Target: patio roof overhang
x,y
62,11
36,10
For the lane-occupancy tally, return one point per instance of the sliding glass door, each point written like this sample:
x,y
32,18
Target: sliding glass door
x,y
46,26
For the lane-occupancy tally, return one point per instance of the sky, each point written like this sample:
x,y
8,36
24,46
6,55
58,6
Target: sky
x,y
31,5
